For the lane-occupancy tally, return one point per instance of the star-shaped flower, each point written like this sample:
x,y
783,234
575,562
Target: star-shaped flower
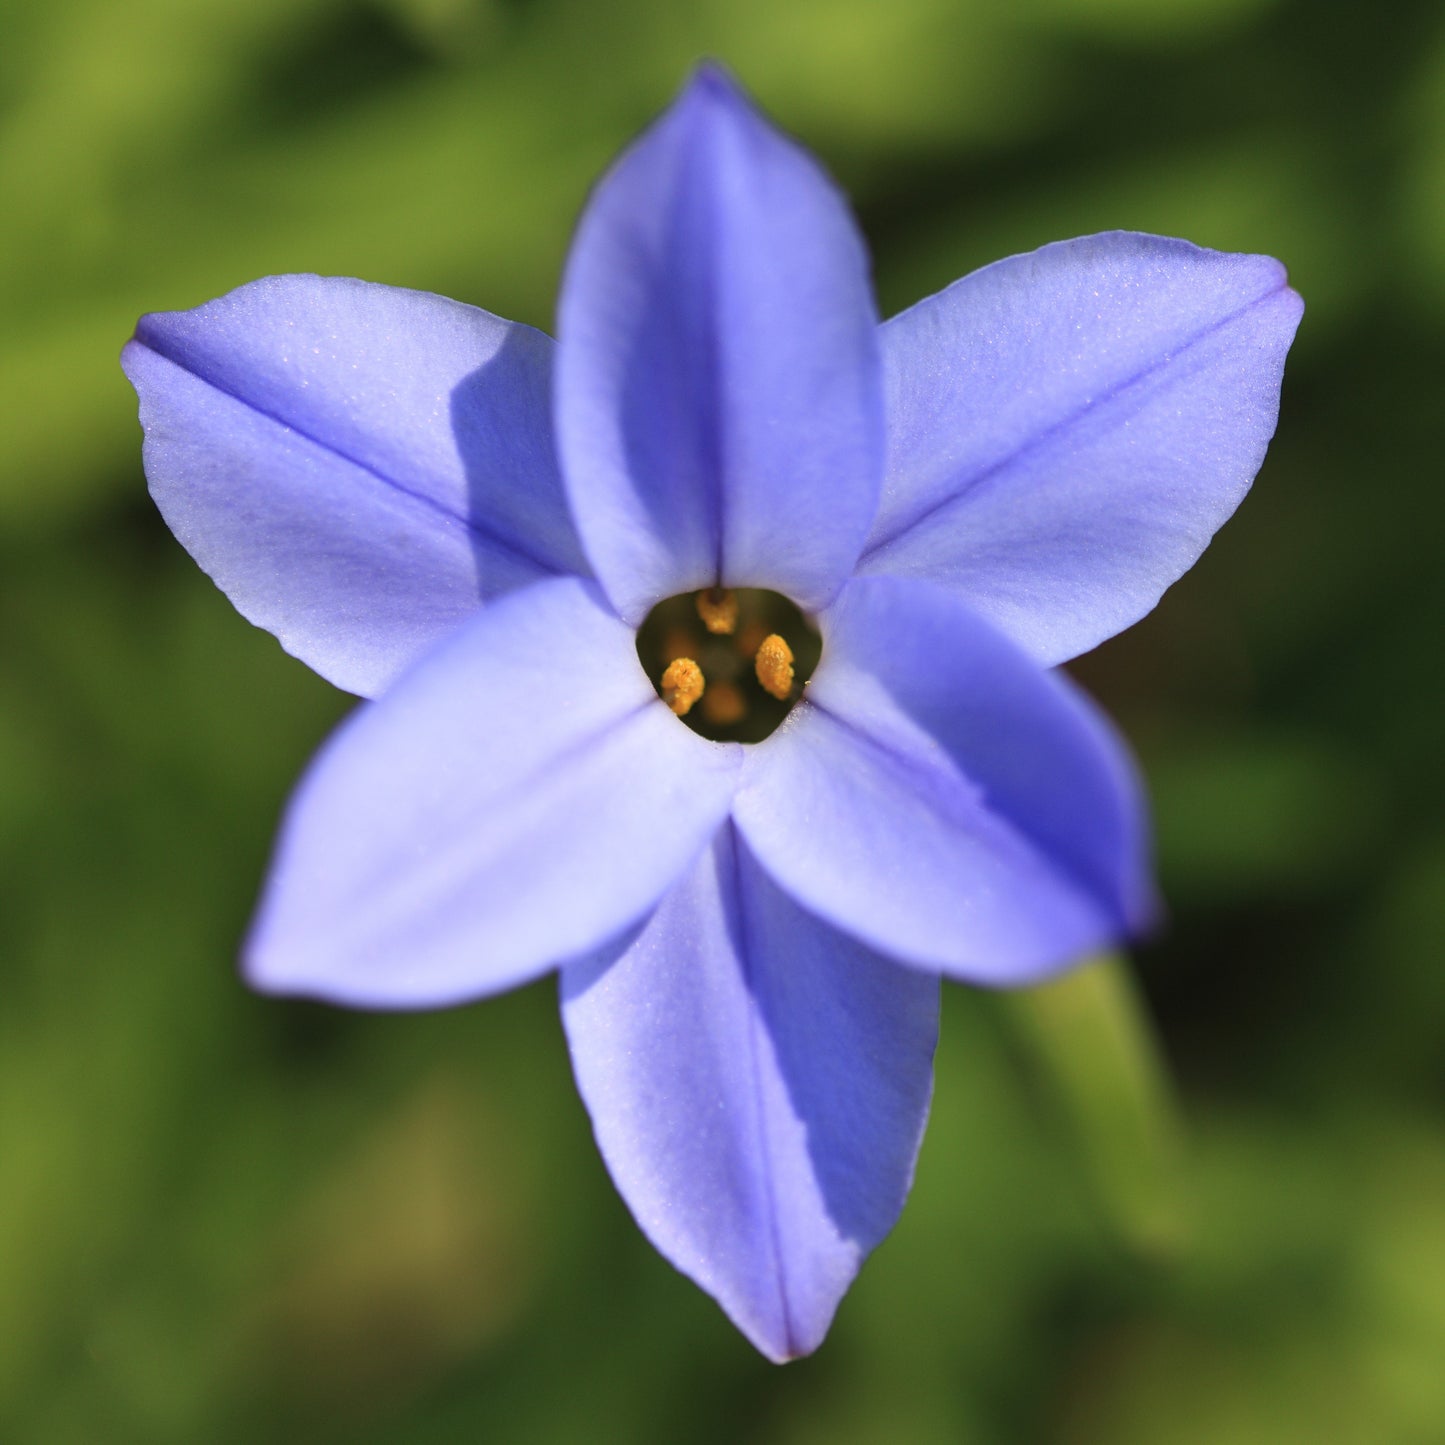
x,y
469,523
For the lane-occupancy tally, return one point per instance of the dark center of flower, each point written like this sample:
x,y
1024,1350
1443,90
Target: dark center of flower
x,y
730,662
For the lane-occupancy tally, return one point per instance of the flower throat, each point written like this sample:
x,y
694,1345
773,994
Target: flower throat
x,y
730,662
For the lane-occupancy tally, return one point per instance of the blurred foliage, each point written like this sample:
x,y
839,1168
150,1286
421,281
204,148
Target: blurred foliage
x,y
230,1219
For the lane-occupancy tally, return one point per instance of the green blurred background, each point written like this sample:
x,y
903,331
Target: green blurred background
x,y
227,1219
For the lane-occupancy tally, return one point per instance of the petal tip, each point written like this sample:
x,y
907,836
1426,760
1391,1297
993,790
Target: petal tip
x,y
717,97
128,355
785,1354
779,1339
266,969
149,330
1295,301
712,80
281,960
260,976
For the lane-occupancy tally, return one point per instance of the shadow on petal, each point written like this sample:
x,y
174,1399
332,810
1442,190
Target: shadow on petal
x,y
501,416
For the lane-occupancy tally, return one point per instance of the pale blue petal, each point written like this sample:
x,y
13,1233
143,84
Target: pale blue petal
x,y
758,1084
1068,429
719,403
939,796
518,798
358,467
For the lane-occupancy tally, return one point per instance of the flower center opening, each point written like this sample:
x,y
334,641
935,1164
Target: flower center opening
x,y
730,662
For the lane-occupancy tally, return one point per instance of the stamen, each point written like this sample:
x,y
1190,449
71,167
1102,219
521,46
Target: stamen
x,y
774,666
724,705
728,686
682,685
718,609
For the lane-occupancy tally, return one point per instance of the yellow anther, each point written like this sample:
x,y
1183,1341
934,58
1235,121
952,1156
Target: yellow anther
x,y
718,609
724,705
682,685
774,666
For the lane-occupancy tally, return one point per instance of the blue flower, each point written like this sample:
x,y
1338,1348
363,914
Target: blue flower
x,y
455,516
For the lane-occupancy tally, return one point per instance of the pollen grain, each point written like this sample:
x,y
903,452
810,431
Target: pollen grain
x,y
682,685
774,666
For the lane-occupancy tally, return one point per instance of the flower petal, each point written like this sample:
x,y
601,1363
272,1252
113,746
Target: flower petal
x,y
719,405
1069,428
519,797
358,467
944,799
758,1085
